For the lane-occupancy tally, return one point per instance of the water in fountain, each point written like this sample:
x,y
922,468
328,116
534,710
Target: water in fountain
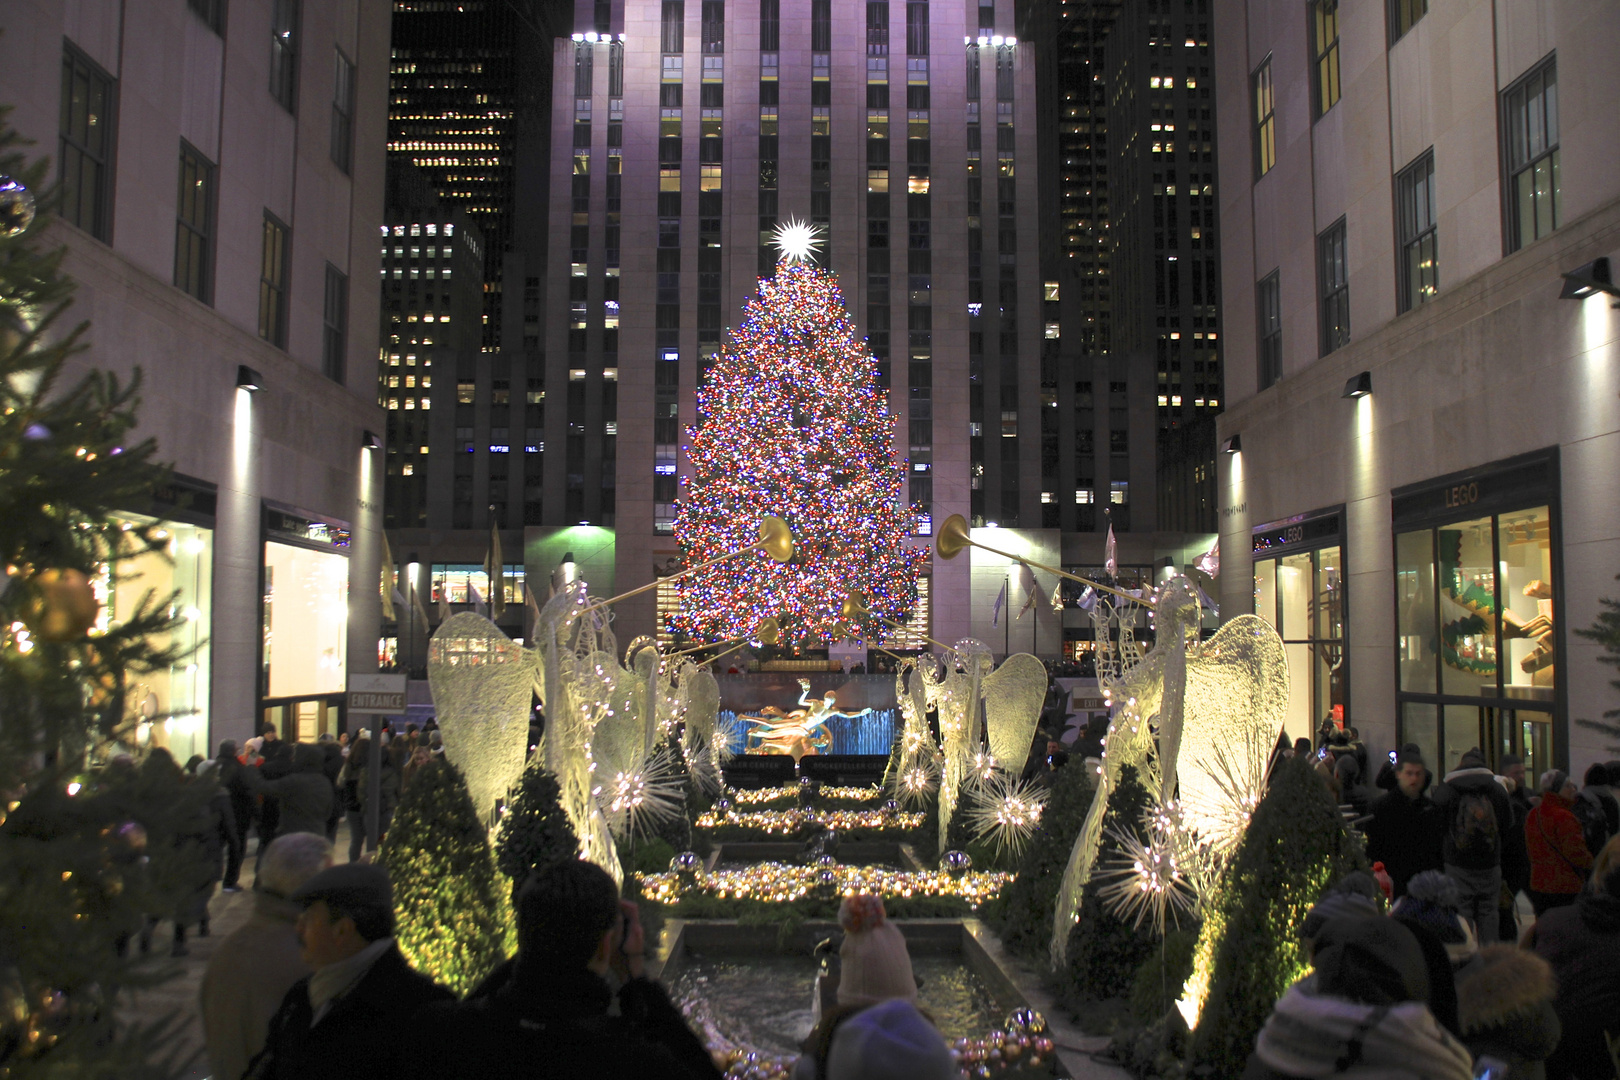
x,y
764,1002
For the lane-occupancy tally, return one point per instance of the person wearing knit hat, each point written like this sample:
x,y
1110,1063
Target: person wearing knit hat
x,y
889,1041
875,965
1433,901
1354,894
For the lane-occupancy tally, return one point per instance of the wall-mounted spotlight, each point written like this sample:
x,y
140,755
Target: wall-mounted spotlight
x,y
370,441
1234,445
248,379
1583,281
1358,385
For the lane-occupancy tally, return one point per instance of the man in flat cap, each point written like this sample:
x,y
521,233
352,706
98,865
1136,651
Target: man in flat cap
x,y
328,1024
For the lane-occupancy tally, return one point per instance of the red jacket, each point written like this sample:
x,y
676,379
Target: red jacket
x,y
1558,855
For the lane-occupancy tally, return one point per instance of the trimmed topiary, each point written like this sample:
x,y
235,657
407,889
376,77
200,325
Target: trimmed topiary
x,y
1249,951
1105,950
535,831
1159,980
1022,914
447,901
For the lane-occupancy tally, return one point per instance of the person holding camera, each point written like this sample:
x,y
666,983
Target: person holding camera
x,y
548,1012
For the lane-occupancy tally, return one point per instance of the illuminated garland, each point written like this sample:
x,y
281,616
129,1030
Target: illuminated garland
x,y
783,882
794,424
789,822
757,796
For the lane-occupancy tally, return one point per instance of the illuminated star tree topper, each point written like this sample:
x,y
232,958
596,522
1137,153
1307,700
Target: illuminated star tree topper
x,y
798,241
795,425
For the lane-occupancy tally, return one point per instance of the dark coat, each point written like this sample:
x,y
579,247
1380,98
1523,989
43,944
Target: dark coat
x,y
1582,943
359,1038
1404,835
305,797
562,1021
234,779
1462,782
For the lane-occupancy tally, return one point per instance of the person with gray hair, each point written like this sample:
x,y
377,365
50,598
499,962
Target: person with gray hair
x,y
252,969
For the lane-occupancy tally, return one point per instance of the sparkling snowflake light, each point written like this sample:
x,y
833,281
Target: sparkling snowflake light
x,y
1004,810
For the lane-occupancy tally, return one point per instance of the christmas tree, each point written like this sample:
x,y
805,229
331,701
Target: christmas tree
x,y
79,875
1605,633
447,901
795,425
535,831
1248,950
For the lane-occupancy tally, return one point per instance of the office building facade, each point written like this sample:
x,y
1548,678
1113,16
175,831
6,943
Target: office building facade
x,y
219,211
1421,433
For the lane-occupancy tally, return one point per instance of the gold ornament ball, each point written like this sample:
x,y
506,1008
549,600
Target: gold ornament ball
x,y
66,607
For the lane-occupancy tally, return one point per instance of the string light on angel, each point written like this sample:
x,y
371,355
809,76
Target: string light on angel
x,y
1226,697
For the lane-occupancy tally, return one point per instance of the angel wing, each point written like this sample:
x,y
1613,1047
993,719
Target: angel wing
x,y
1013,696
481,681
1237,697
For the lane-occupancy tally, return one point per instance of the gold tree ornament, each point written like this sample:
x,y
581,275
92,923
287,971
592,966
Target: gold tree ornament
x,y
64,608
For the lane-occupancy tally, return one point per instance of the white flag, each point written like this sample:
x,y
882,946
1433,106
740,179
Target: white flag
x,y
1110,561
475,599
1032,591
1001,600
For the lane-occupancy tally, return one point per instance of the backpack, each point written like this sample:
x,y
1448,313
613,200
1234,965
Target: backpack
x,y
1588,810
1473,824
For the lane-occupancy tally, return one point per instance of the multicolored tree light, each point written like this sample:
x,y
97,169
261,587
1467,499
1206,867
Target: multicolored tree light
x,y
795,425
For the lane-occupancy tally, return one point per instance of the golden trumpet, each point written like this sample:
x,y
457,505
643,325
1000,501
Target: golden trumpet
x,y
775,539
953,536
768,632
854,608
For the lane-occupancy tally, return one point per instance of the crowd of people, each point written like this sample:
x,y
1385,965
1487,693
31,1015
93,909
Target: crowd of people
x,y
295,993
1418,969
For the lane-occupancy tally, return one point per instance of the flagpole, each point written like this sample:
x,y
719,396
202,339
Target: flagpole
x,y
1006,627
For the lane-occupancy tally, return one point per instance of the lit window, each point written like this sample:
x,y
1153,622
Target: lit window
x,y
576,374
1083,497
1119,492
1053,331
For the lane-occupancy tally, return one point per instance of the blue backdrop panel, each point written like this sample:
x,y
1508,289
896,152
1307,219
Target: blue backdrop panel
x,y
870,733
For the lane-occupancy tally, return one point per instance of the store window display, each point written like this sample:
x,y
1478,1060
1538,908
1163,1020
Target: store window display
x,y
167,707
1476,620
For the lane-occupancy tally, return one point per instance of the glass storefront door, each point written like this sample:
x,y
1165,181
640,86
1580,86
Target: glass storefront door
x,y
306,625
1476,615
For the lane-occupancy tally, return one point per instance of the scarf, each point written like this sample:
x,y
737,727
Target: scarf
x,y
1310,1035
334,980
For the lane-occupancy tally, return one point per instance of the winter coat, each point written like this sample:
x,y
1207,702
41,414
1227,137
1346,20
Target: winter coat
x,y
277,763
359,1036
1311,1035
1505,1006
232,776
1404,834
202,837
246,979
1558,855
1515,853
305,796
560,1019
1460,785
1582,943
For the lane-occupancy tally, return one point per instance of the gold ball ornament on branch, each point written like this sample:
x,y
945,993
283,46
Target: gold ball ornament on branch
x,y
64,607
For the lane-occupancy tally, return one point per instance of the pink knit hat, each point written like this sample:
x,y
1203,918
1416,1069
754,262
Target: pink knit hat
x,y
875,965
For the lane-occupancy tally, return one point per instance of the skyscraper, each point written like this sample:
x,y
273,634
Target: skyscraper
x,y
469,124
685,132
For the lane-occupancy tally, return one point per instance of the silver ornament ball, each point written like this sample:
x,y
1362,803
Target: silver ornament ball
x,y
1026,1020
16,207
